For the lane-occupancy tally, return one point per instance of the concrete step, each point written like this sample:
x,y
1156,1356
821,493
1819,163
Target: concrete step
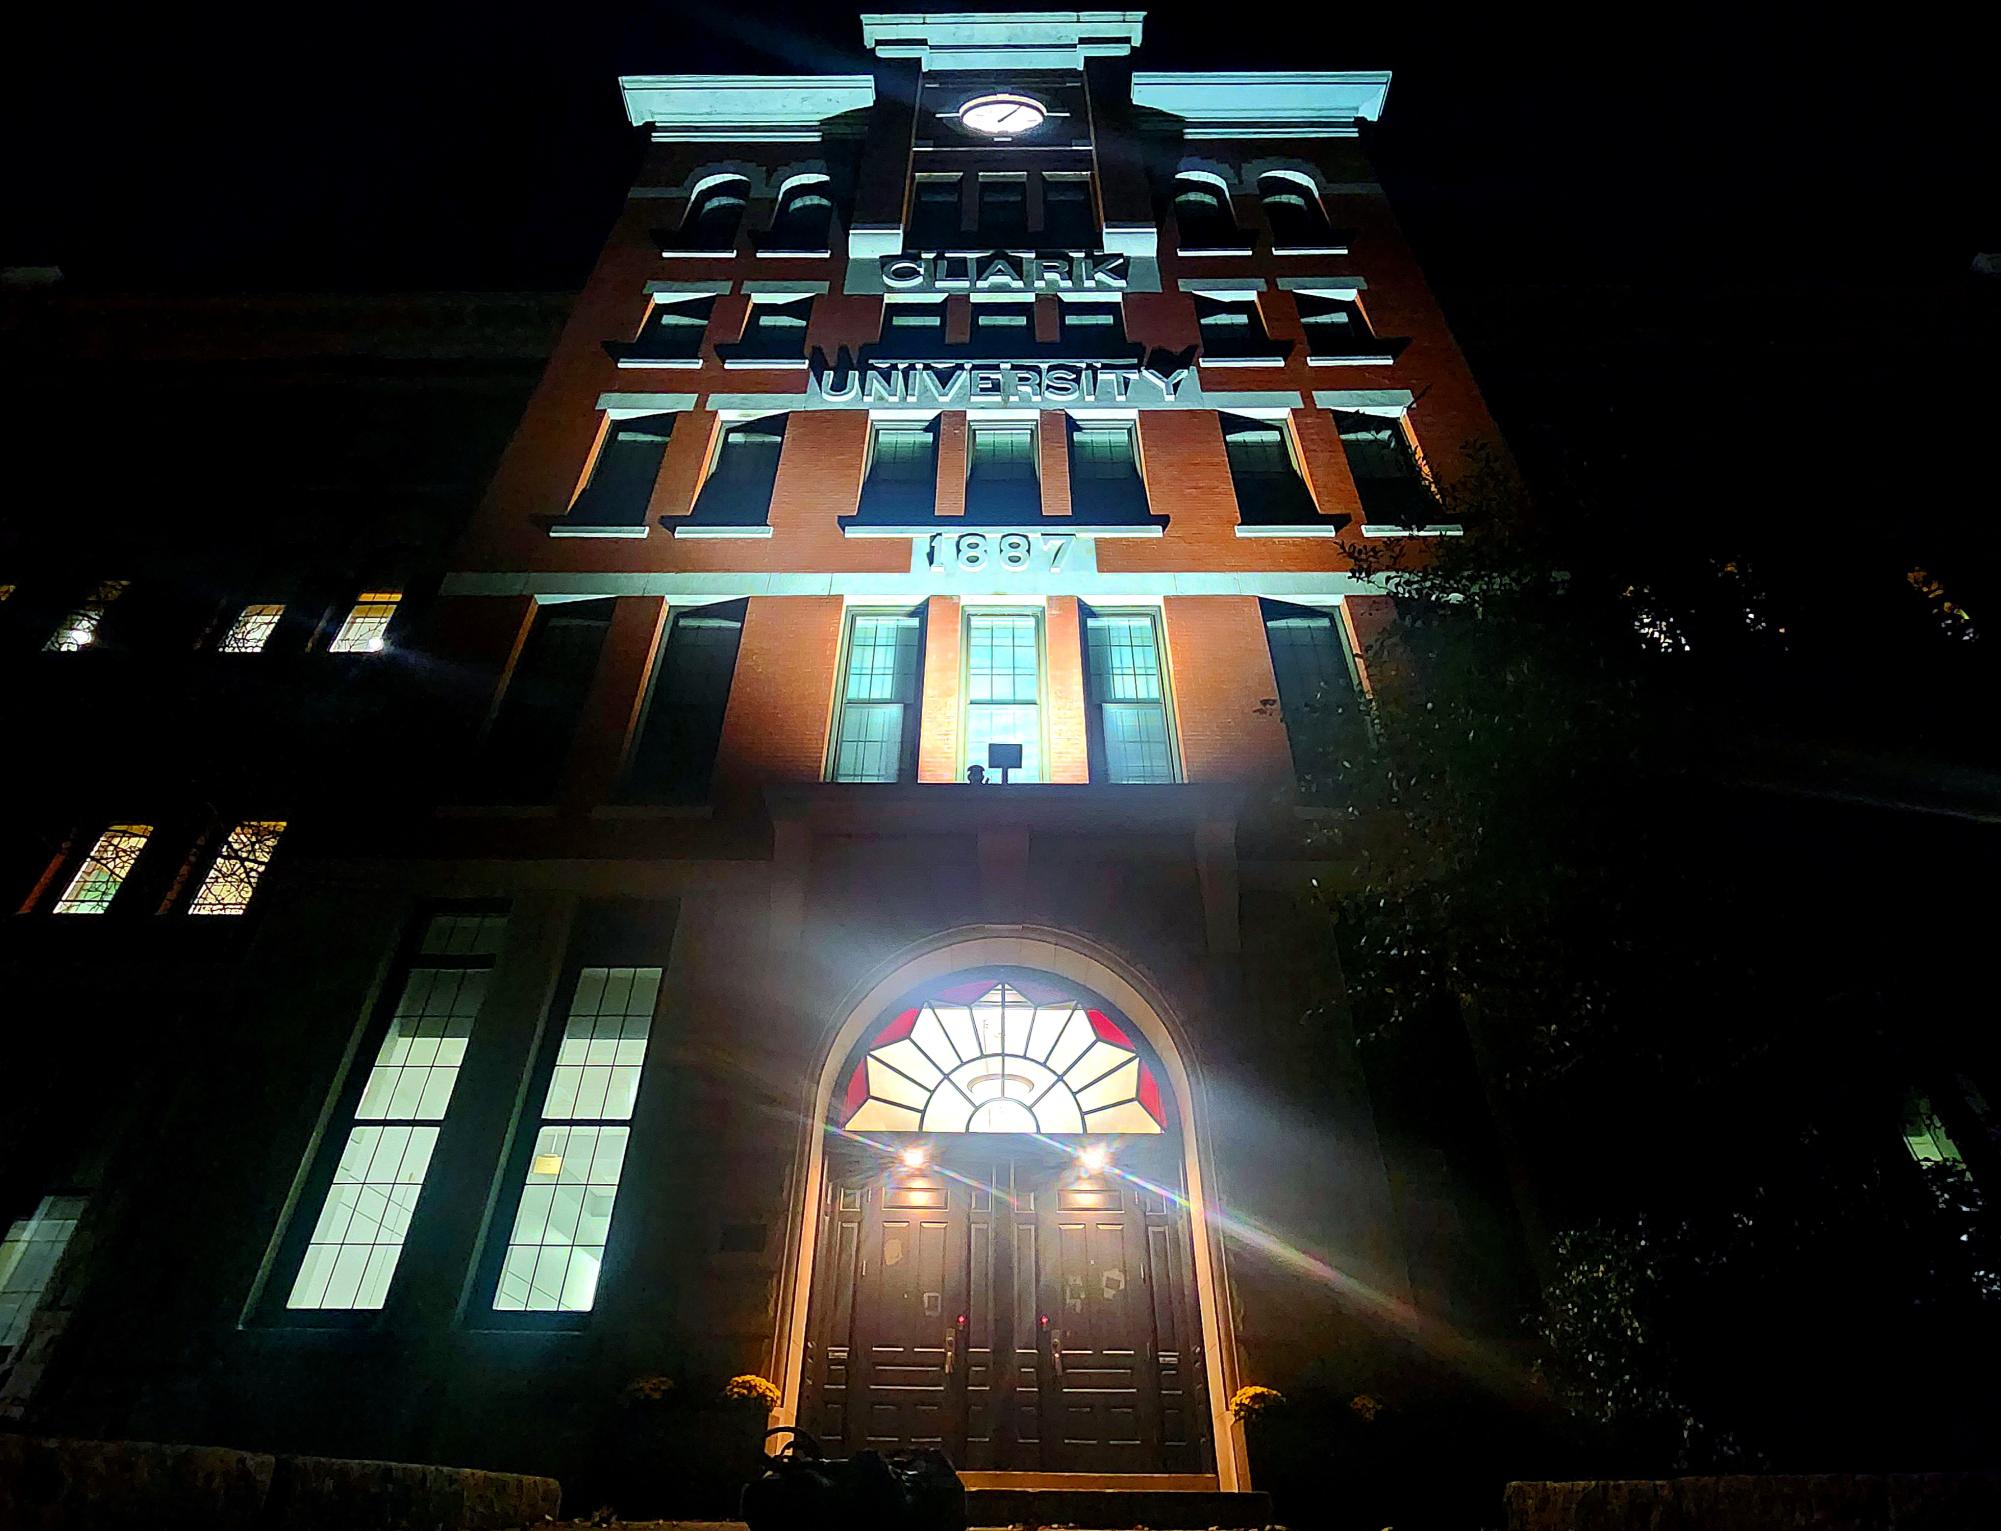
x,y
1116,1509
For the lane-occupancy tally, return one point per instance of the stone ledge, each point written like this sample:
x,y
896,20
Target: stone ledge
x,y
63,1485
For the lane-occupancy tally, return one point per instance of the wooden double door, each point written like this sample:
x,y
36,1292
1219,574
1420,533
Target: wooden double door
x,y
1007,1307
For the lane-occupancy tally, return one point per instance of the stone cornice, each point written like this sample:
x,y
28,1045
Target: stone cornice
x,y
1002,40
741,107
1267,103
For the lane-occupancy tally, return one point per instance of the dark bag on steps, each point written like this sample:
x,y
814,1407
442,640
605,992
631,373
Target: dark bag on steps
x,y
801,1490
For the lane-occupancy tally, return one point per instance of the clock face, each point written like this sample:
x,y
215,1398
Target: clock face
x,y
1002,114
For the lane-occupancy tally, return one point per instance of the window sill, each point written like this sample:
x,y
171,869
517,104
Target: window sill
x,y
653,811
764,363
580,529
659,361
676,529
1298,529
795,254
1309,249
1353,359
1276,359
668,254
1219,250
1438,529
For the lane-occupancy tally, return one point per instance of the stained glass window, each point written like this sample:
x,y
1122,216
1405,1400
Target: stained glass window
x,y
79,629
232,876
104,870
252,629
985,1057
366,629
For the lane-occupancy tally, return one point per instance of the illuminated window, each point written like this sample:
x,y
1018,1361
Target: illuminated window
x,y
1292,209
1004,689
1105,481
620,486
902,481
29,1255
1004,329
1127,694
875,734
79,629
1270,489
354,1246
233,876
986,1057
556,1247
1094,324
1202,210
1925,1135
366,629
1003,477
104,870
251,630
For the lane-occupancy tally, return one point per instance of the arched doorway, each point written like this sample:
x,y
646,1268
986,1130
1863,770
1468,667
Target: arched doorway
x,y
1005,1254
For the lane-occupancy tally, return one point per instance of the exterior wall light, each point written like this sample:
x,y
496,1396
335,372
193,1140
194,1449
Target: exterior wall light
x,y
915,1157
1095,1158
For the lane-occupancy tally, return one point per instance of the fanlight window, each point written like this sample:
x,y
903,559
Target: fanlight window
x,y
983,1057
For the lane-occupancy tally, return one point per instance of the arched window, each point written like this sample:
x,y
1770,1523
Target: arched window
x,y
1293,210
1202,208
1020,1054
715,213
805,216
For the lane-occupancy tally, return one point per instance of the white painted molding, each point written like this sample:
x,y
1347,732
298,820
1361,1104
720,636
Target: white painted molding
x,y
559,529
715,533
1357,359
1391,402
1001,529
1444,529
1002,40
1136,239
1203,286
1308,588
622,405
742,108
1241,103
1331,285
799,289
1305,529
637,363
714,287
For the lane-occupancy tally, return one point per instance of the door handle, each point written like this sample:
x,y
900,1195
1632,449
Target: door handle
x,y
951,1349
1056,1350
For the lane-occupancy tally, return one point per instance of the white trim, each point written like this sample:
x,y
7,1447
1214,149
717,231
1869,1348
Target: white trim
x,y
1046,526
1309,249
1240,361
1440,529
622,406
1303,529
1103,973
698,254
1242,103
1357,359
559,529
712,287
1303,587
1323,286
1204,252
741,107
999,40
1393,402
1220,286
766,364
781,289
719,533
639,362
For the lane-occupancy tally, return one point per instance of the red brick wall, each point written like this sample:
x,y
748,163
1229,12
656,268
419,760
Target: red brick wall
x,y
1063,713
782,697
938,743
1221,671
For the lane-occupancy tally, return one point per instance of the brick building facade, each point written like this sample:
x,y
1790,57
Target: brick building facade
x,y
1008,411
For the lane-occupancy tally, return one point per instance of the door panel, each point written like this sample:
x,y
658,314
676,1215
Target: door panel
x,y
912,1290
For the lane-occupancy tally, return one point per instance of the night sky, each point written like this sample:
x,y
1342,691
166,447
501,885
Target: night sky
x,y
1777,205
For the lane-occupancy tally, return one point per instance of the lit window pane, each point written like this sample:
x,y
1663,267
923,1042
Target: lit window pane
x,y
1128,699
78,630
1003,689
238,865
104,870
251,630
358,1239
555,1248
29,1255
878,701
367,626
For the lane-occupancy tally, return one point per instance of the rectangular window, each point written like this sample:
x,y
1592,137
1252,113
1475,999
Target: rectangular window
x,y
621,483
875,731
1004,688
251,630
775,331
1233,329
103,872
673,331
737,491
78,630
674,758
1105,481
1334,326
936,216
1099,326
902,481
555,1249
1126,691
529,742
926,319
1003,478
234,874
1004,329
1068,221
353,1249
1319,692
29,1255
1392,489
1270,490
366,629
1003,216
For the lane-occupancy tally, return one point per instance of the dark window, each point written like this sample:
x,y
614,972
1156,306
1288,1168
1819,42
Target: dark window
x,y
1334,326
531,734
1100,326
913,329
675,329
875,734
804,220
1270,491
1385,470
1318,696
1067,219
1002,478
775,331
1234,330
621,481
1004,329
715,214
936,218
674,759
1126,696
1003,210
1293,210
1202,209
902,482
737,491
1105,481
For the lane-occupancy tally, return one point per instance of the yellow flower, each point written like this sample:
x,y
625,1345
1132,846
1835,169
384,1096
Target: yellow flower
x,y
1365,1407
1247,1403
750,1388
